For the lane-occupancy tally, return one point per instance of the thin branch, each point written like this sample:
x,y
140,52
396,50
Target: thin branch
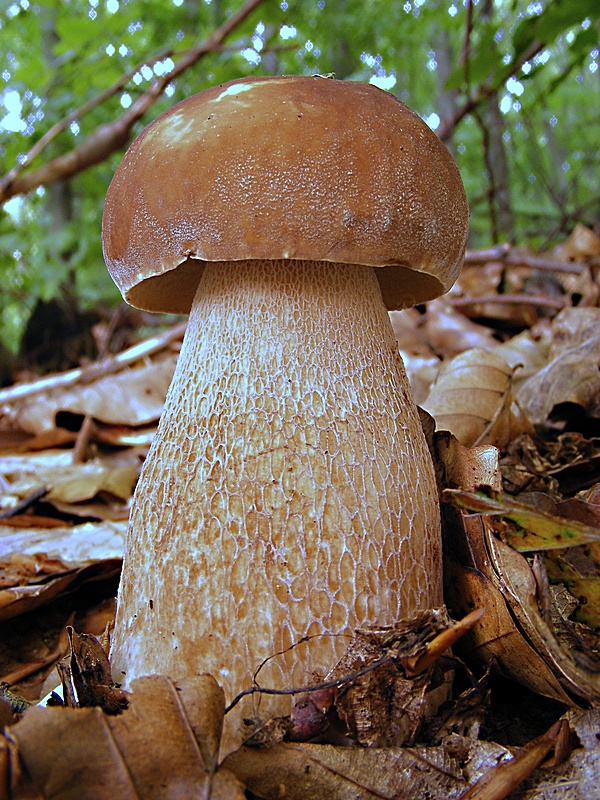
x,y
110,137
78,114
317,687
447,126
465,56
99,369
508,299
510,257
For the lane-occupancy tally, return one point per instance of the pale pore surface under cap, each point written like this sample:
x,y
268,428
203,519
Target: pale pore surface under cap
x,y
289,490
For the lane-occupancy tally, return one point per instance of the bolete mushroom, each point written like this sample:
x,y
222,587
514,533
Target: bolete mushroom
x,y
289,491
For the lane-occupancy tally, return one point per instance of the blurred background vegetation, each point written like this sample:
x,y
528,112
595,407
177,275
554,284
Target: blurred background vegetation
x,y
512,87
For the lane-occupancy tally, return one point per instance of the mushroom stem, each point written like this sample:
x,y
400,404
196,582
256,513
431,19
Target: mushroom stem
x,y
289,490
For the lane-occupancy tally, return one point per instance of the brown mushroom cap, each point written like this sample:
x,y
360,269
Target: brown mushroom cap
x,y
302,168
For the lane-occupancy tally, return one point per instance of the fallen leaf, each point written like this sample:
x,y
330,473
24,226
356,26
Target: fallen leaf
x,y
164,745
451,332
500,781
23,599
483,572
313,772
86,675
581,244
572,374
76,544
497,639
472,397
67,482
131,397
535,530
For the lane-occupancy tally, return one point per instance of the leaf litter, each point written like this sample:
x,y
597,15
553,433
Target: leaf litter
x,y
521,522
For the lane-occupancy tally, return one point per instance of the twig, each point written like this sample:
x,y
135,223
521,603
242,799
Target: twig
x,y
36,495
504,299
446,128
80,112
412,665
100,369
504,253
465,56
313,688
87,426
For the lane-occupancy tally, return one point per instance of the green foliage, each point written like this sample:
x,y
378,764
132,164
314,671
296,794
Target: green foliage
x,y
60,54
556,18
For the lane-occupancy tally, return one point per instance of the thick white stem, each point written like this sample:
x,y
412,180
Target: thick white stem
x,y
289,491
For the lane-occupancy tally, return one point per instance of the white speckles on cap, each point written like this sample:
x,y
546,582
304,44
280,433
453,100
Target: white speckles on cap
x,y
176,130
233,90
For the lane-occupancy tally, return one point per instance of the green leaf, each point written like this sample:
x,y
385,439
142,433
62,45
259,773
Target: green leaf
x,y
557,17
535,530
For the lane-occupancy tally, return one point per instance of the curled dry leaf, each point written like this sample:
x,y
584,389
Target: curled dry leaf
x,y
500,781
76,544
313,772
572,374
65,481
581,245
554,671
451,332
86,676
20,599
483,572
388,705
534,529
132,397
473,398
568,532
526,354
165,745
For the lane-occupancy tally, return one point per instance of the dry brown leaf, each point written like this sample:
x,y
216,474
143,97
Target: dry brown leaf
x,y
483,572
514,631
130,397
572,374
111,476
384,706
20,569
86,675
581,245
513,573
408,331
75,544
497,638
467,466
498,782
451,332
165,745
23,599
472,397
314,772
525,353
480,279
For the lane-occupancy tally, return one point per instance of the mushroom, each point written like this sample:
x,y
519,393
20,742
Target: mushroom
x,y
289,493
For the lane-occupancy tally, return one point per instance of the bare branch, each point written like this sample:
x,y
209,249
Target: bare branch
x,y
78,114
510,257
112,136
92,372
484,91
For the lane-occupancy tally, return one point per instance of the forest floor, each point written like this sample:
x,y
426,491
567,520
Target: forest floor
x,y
506,367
